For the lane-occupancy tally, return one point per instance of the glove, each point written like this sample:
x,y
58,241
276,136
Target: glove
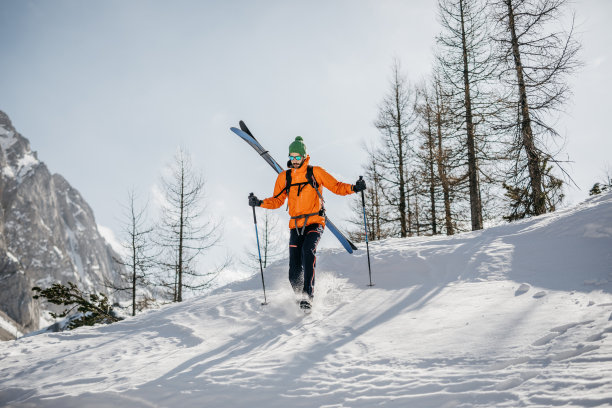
x,y
360,185
254,201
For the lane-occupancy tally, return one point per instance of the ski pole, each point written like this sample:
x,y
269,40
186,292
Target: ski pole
x,y
365,222
265,302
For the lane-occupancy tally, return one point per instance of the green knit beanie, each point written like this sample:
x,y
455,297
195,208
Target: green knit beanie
x,y
298,146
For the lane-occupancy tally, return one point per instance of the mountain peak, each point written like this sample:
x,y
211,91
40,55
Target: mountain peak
x,y
17,159
5,120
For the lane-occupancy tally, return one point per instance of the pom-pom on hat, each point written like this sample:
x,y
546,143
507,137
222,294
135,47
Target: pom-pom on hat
x,y
298,146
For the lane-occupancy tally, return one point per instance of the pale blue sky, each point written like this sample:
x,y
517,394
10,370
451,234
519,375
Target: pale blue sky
x,y
106,90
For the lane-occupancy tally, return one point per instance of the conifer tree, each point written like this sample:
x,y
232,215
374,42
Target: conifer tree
x,y
93,308
379,221
465,64
138,258
272,243
186,230
397,123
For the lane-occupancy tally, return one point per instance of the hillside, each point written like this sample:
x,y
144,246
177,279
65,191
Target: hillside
x,y
513,316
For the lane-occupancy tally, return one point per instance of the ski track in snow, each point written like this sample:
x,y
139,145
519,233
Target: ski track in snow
x,y
513,316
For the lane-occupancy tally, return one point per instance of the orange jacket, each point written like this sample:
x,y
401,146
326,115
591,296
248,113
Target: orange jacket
x,y
308,201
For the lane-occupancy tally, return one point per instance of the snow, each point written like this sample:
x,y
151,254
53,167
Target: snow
x,y
24,163
111,239
75,256
12,257
512,316
58,252
7,138
9,328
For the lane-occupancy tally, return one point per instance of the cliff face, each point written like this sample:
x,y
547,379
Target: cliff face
x,y
48,232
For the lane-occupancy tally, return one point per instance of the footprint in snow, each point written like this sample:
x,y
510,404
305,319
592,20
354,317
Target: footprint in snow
x,y
524,288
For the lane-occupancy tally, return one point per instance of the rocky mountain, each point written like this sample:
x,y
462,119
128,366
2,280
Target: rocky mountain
x,y
9,329
48,233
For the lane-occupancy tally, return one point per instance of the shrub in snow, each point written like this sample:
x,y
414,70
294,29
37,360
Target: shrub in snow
x,y
92,308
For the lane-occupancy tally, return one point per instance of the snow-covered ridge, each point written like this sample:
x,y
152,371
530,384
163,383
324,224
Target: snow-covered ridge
x,y
514,316
7,138
112,240
22,161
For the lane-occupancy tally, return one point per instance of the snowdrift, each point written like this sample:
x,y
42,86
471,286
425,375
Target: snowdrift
x,y
516,315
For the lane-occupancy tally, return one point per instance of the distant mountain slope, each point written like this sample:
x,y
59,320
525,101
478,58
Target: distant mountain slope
x,y
513,316
48,232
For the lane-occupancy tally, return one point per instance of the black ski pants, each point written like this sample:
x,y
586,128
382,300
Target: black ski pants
x,y
303,258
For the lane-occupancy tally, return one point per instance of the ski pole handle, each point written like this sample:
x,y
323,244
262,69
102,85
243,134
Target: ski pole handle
x,y
362,194
254,216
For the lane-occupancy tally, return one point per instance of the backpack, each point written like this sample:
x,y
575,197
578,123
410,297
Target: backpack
x,y
310,180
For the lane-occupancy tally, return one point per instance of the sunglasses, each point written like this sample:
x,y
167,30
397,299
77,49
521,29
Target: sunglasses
x,y
295,157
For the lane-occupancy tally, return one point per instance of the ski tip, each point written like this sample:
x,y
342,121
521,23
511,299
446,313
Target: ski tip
x,y
239,132
245,129
349,246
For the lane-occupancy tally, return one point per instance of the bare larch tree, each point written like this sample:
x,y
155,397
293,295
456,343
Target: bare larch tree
x,y
465,64
376,211
426,153
272,243
396,122
537,57
186,229
138,258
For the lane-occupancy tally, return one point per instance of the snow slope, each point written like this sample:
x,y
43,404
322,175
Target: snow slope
x,y
513,316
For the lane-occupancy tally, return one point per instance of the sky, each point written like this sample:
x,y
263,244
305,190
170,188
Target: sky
x,y
106,92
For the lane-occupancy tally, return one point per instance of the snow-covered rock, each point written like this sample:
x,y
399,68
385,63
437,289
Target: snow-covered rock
x,y
9,329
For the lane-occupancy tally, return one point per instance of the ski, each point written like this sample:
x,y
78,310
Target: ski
x,y
245,134
244,127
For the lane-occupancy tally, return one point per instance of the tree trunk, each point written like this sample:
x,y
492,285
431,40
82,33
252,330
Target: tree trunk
x,y
432,181
402,182
416,214
179,297
134,266
475,203
441,170
533,159
376,202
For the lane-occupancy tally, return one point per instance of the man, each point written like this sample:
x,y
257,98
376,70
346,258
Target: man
x,y
302,185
